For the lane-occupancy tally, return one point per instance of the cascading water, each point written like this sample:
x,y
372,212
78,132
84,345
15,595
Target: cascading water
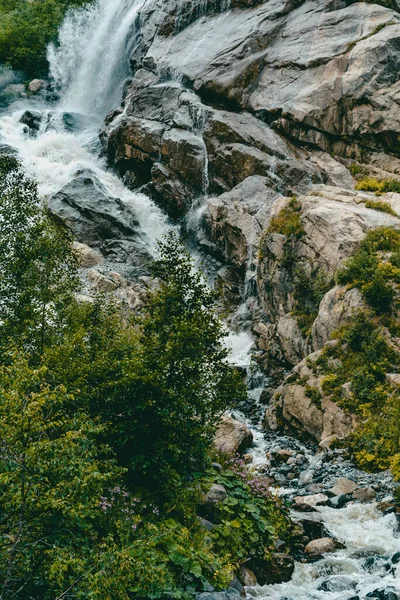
x,y
88,68
91,59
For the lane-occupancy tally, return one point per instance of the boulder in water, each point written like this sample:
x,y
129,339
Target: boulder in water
x,y
232,436
247,577
37,85
32,119
93,215
277,570
321,546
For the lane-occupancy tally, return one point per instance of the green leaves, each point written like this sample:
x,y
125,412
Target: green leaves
x,y
26,28
38,269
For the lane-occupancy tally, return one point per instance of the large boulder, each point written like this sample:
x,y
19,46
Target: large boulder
x,y
302,406
337,308
232,436
100,220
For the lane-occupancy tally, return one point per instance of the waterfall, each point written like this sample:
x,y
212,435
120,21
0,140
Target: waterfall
x,y
91,61
88,68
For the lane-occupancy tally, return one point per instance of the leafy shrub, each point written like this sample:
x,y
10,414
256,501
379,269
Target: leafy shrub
x,y
250,520
365,270
363,358
369,184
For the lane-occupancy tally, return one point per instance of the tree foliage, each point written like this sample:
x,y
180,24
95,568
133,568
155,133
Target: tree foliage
x,y
26,28
38,270
107,422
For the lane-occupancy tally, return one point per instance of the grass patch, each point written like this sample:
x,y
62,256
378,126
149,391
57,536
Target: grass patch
x,y
288,221
381,206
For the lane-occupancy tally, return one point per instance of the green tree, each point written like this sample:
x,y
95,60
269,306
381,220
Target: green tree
x,y
185,383
52,477
161,381
38,268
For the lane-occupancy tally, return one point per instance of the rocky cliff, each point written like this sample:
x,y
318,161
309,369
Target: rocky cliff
x,y
243,108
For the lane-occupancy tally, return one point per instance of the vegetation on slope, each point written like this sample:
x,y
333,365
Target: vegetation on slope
x,y
361,370
107,428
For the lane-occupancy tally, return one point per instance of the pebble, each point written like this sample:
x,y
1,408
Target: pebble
x,y
344,486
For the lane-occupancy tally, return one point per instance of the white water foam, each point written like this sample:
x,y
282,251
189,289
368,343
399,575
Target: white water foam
x,y
91,60
88,67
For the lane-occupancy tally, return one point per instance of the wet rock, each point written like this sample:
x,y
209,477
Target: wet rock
x,y
396,558
344,486
32,119
232,436
15,89
278,570
320,546
247,577
93,215
37,85
339,501
380,594
237,585
364,494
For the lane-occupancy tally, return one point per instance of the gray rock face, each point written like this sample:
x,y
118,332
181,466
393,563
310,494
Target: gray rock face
x,y
99,220
248,107
303,64
316,418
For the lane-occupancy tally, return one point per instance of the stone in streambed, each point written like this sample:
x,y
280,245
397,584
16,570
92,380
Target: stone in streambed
x,y
364,494
339,501
278,570
321,546
232,436
247,577
344,486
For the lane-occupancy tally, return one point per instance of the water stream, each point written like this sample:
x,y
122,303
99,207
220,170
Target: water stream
x,y
88,69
